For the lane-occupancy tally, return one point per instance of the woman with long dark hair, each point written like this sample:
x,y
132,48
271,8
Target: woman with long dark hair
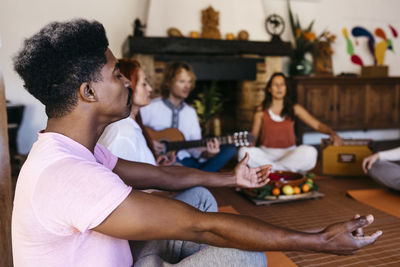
x,y
273,127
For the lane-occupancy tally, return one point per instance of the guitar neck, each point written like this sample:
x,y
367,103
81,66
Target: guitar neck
x,y
223,140
174,140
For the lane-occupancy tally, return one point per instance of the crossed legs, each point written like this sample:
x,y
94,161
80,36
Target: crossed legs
x,y
295,159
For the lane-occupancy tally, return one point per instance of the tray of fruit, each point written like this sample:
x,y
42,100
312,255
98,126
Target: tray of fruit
x,y
284,187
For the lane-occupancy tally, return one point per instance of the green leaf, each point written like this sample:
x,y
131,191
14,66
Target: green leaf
x,y
309,28
208,103
298,23
292,22
263,194
310,175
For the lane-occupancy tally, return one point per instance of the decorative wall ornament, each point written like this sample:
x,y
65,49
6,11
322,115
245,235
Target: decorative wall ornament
x,y
174,32
275,25
210,23
243,35
138,28
376,49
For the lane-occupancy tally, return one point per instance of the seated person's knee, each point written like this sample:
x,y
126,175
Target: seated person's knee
x,y
242,152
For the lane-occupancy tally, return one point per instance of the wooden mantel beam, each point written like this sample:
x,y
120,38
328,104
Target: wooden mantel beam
x,y
200,46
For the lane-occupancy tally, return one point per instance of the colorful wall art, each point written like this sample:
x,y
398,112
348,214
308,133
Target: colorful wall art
x,y
378,43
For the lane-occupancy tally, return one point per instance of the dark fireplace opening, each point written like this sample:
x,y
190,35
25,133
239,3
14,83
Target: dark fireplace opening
x,y
227,91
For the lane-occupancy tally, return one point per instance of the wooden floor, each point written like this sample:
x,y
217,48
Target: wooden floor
x,y
309,215
314,214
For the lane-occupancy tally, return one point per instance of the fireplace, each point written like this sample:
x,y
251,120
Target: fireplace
x,y
236,67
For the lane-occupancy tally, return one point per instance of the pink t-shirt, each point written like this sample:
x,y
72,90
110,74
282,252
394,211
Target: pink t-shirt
x,y
62,192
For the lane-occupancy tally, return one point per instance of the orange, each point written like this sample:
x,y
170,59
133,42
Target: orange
x,y
230,36
276,191
194,34
296,190
306,188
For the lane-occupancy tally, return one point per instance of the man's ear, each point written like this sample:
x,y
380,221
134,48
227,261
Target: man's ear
x,y
87,92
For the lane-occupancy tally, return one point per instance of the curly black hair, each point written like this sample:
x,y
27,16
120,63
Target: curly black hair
x,y
54,62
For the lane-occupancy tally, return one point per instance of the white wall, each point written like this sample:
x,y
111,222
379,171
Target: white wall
x,y
20,19
332,15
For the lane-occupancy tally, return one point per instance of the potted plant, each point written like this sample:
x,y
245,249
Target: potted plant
x,y
208,105
306,42
303,44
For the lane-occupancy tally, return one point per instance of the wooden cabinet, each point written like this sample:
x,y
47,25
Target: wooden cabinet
x,y
350,103
383,105
318,101
350,106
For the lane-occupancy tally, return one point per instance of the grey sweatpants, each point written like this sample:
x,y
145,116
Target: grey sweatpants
x,y
386,173
186,254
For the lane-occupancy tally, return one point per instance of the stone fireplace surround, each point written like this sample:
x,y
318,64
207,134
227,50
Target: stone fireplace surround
x,y
238,67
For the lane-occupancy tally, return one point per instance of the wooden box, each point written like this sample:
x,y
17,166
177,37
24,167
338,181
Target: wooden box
x,y
344,160
374,71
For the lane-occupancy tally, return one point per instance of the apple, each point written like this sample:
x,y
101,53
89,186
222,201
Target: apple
x,y
288,190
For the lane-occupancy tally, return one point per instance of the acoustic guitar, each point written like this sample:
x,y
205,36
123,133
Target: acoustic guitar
x,y
174,140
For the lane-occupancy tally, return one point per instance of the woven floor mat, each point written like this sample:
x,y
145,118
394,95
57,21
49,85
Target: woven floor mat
x,y
310,215
274,258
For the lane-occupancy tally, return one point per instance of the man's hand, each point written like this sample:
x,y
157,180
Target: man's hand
x,y
251,177
368,161
166,160
347,237
212,148
359,231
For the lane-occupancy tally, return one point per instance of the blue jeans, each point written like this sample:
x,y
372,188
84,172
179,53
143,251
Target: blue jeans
x,y
212,164
185,253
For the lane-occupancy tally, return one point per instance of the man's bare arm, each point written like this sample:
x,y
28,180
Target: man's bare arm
x,y
144,176
147,217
